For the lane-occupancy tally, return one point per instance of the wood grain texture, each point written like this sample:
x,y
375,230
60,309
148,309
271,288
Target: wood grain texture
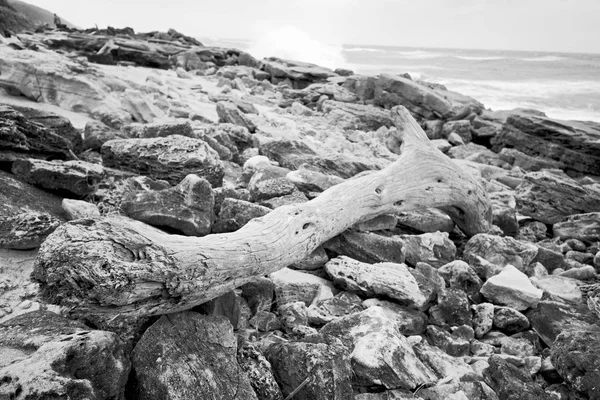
x,y
116,268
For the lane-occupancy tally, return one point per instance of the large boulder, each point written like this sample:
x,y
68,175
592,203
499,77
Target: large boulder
x,y
188,355
512,288
298,74
575,144
356,116
549,198
170,158
499,251
584,227
186,208
45,356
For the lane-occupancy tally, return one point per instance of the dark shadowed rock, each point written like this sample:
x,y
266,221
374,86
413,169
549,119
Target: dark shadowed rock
x,y
501,251
259,372
452,308
356,116
188,355
435,249
230,113
451,344
171,158
79,178
584,227
45,356
17,197
510,320
367,247
460,275
575,356
573,143
236,213
325,364
549,198
186,208
96,133
20,137
511,383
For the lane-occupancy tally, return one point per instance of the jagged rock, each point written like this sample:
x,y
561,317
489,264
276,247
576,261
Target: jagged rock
x,y
259,294
265,321
584,227
188,355
17,197
228,305
356,116
221,193
332,91
506,219
510,320
293,315
326,310
96,133
380,355
48,356
518,347
259,372
435,249
559,287
367,247
75,209
186,208
171,158
550,318
512,288
511,383
396,394
549,198
462,128
391,280
292,286
575,356
451,344
550,259
268,182
326,365
580,257
312,181
79,178
459,391
26,230
532,231
236,213
452,308
313,261
572,143
234,138
459,275
527,162
483,318
298,74
500,251
408,320
20,137
229,113
426,220
444,365
154,130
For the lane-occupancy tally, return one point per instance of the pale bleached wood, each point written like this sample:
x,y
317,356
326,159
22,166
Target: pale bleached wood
x,y
111,268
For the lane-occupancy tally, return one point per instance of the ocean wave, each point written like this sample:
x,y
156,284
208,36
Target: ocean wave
x,y
365,49
543,59
418,54
480,58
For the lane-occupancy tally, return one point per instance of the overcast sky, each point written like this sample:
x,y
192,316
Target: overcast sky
x,y
543,25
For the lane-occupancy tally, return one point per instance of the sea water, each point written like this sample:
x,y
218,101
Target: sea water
x,y
563,85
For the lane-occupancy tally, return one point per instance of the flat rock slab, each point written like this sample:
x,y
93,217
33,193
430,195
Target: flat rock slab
x,y
584,227
48,356
79,178
186,356
186,208
17,197
171,158
390,280
367,247
550,198
500,251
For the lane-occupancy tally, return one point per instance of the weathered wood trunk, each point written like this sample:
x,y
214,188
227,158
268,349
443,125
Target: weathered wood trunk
x,y
107,268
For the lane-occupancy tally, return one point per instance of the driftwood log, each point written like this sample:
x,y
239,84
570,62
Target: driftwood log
x,y
110,268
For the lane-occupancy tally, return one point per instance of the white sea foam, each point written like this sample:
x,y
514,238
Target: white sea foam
x,y
543,59
289,42
418,54
480,58
365,49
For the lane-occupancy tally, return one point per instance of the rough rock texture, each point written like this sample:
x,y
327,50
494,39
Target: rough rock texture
x,y
408,321
188,355
79,178
584,227
435,249
367,247
259,372
229,113
549,198
574,144
187,207
380,355
511,383
171,158
356,116
500,251
324,363
75,209
45,356
17,197
26,230
511,287
21,137
427,220
575,356
384,279
292,286
236,213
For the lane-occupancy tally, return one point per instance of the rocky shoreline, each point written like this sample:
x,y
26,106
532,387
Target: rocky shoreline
x,y
102,125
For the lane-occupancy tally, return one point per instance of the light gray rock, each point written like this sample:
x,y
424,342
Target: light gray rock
x,y
75,209
383,279
186,208
459,275
426,220
291,286
230,113
483,318
512,288
435,249
559,287
509,320
584,227
409,321
26,230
